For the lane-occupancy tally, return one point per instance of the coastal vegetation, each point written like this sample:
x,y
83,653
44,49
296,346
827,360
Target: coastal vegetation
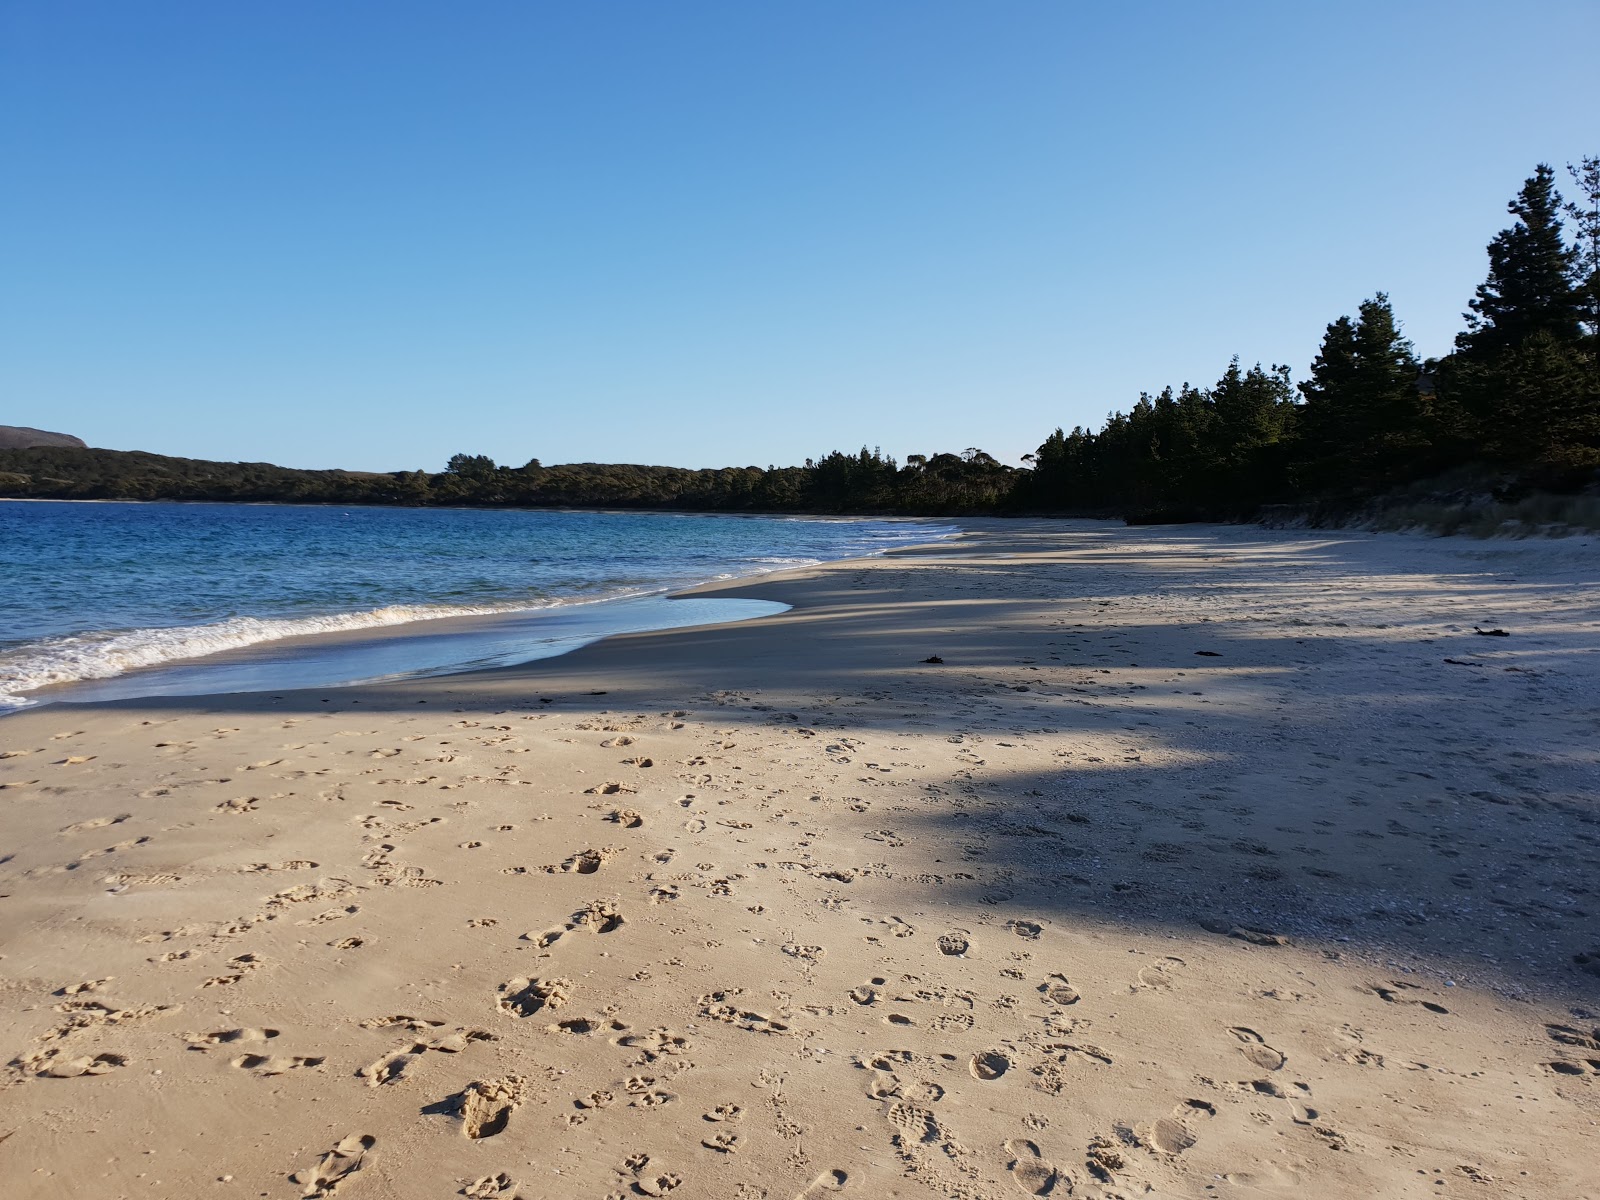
x,y
1514,409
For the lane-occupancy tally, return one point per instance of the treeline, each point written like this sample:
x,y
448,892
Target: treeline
x,y
839,483
1518,397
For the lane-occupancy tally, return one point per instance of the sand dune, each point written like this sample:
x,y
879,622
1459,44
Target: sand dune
x,y
1207,862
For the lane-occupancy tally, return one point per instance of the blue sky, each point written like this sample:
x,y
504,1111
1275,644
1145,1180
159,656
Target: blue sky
x,y
372,234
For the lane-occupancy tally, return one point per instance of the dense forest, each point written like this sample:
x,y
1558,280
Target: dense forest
x,y
1517,402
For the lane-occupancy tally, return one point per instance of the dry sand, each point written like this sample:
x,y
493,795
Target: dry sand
x,y
1210,862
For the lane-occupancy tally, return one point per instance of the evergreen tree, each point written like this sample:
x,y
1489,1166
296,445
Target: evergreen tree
x,y
1586,228
1529,288
1366,423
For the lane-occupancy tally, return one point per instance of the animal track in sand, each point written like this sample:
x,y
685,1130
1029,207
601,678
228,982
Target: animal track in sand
x,y
339,1164
626,817
1025,929
610,789
651,1098
239,804
1256,1049
616,742
522,997
658,1183
1029,1170
724,1112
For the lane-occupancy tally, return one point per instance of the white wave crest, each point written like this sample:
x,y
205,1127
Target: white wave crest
x,y
104,655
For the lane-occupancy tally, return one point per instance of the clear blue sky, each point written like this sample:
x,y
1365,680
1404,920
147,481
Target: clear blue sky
x,y
371,233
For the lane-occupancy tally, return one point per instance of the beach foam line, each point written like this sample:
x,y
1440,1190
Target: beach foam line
x,y
108,654
104,655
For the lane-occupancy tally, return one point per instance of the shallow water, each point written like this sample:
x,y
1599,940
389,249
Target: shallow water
x,y
128,592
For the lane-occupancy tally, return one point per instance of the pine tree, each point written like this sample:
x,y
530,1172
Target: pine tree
x,y
1586,227
1529,288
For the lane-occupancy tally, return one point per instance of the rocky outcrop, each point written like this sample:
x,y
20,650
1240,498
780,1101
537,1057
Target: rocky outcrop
x,y
20,437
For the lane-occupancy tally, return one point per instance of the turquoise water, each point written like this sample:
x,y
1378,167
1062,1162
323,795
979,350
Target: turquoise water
x,y
142,594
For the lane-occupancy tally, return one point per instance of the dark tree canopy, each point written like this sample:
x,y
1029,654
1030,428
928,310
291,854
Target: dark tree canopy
x,y
1529,289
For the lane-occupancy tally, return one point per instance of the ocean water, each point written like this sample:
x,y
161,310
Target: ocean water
x,y
136,599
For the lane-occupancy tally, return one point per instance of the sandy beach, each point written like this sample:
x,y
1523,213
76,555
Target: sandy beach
x,y
1208,862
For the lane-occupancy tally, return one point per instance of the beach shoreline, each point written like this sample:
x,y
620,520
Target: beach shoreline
x,y
353,622
1057,855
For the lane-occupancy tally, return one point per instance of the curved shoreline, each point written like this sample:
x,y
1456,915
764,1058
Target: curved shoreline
x,y
1051,840
276,640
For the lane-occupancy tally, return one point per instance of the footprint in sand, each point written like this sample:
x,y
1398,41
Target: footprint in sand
x,y
71,1068
485,1107
1169,1136
229,1037
824,1185
954,944
268,1064
1057,990
585,862
1158,976
1256,1049
96,823
343,1161
490,1187
522,997
391,1067
1029,1170
1395,993
989,1064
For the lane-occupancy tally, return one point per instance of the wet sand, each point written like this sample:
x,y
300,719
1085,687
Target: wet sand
x,y
1209,861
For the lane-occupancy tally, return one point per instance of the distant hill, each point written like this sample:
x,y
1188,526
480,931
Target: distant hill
x,y
20,437
839,483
